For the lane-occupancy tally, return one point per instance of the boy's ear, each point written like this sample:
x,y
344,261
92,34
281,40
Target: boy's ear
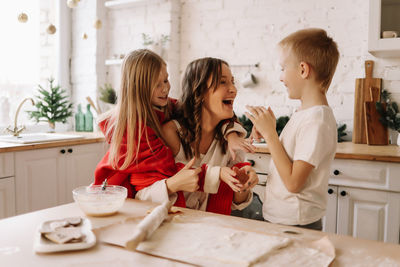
x,y
305,70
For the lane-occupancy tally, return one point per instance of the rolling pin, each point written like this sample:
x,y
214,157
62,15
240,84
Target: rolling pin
x,y
148,225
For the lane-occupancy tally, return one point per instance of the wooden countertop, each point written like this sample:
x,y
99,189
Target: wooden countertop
x,y
349,150
89,137
345,150
17,235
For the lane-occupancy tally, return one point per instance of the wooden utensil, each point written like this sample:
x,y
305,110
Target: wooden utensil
x,y
363,94
376,132
93,105
148,225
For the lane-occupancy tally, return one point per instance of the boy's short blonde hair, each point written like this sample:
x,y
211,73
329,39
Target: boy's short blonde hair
x,y
316,48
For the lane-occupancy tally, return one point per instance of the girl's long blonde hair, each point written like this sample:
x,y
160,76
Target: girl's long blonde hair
x,y
133,112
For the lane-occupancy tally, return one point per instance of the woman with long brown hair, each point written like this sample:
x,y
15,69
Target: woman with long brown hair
x,y
206,105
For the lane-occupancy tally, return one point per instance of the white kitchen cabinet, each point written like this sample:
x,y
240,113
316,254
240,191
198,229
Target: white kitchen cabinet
x,y
7,187
260,162
45,177
329,221
7,197
363,213
383,16
367,195
363,197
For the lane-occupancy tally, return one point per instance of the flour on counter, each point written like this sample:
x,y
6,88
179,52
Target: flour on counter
x,y
208,244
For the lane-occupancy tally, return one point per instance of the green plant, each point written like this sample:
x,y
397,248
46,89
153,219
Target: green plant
x,y
147,40
164,39
389,111
281,123
108,94
341,132
52,105
248,125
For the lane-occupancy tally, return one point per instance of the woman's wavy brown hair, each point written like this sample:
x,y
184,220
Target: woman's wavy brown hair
x,y
195,85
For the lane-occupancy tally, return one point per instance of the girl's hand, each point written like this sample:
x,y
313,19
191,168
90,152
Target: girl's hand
x,y
227,175
236,143
263,119
186,179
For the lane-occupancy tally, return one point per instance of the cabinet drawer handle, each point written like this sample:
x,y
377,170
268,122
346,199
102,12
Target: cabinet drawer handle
x,y
330,191
343,193
336,172
252,162
62,151
70,150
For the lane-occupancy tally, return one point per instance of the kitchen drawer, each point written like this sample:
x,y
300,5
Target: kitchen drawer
x,y
366,174
259,161
260,191
6,164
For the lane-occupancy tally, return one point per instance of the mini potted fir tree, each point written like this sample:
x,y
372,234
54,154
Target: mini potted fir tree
x,y
51,105
390,115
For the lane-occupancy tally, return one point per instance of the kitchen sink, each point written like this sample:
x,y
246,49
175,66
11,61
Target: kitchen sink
x,y
30,138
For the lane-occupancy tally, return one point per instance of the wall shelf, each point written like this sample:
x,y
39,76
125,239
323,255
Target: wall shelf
x,y
119,4
111,62
383,16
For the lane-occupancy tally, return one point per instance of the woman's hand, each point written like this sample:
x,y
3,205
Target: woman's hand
x,y
255,135
227,175
247,177
236,143
186,179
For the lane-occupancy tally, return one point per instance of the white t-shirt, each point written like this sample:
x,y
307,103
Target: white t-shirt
x,y
311,136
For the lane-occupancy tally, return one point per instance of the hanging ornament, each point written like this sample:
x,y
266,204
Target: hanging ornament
x,y
72,3
22,17
51,29
84,36
97,24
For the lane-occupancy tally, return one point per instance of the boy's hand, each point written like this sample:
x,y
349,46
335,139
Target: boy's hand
x,y
227,175
236,143
263,119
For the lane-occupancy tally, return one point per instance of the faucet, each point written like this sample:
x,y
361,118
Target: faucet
x,y
17,130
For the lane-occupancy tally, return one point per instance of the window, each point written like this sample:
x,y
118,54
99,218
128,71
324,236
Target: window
x,y
27,55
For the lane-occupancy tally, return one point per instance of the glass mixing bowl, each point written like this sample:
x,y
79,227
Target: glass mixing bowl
x,y
96,201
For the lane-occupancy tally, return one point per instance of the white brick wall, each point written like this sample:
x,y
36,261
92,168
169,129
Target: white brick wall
x,y
240,32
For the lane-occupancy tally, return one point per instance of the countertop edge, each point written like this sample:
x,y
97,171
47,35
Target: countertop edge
x,y
348,150
89,138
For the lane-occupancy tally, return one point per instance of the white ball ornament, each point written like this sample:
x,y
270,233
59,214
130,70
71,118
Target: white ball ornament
x,y
97,24
72,3
51,29
23,18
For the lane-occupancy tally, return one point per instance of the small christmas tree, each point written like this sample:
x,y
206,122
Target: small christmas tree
x,y
52,105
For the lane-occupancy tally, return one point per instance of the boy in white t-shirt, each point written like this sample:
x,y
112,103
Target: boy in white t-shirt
x,y
296,191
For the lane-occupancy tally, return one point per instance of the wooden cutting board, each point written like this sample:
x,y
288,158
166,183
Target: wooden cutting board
x,y
377,134
363,94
